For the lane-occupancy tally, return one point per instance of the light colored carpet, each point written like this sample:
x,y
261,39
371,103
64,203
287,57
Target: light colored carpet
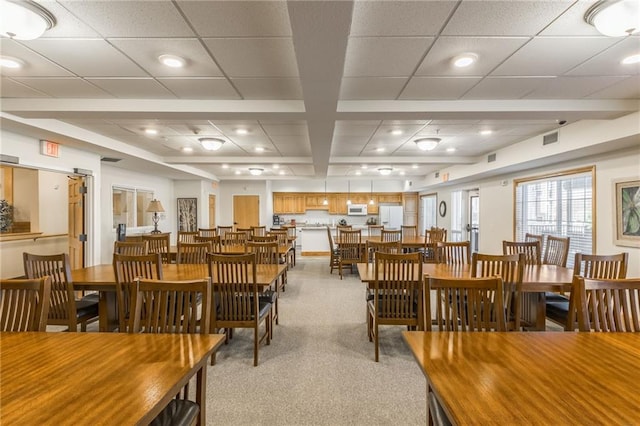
x,y
319,368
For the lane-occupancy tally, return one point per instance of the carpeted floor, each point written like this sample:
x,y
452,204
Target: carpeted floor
x,y
319,368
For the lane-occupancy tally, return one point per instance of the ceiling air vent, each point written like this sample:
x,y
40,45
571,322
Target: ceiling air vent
x,y
550,138
9,159
437,175
110,159
491,158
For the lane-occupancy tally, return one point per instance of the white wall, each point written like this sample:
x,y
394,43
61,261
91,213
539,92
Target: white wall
x,y
228,189
53,196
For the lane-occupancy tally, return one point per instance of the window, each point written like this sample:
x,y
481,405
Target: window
x,y
428,208
130,207
559,205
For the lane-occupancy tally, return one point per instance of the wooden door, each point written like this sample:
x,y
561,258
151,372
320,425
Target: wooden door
x,y
77,190
246,211
212,211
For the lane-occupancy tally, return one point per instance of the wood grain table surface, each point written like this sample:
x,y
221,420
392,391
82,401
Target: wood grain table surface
x,y
554,378
98,378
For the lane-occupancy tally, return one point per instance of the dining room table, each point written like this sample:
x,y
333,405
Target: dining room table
x,y
536,281
509,378
99,378
101,278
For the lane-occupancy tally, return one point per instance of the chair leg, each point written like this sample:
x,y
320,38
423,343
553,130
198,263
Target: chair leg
x,y
255,345
375,328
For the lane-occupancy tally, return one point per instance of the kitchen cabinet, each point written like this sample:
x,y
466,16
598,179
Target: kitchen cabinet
x,y
288,203
392,197
315,202
337,203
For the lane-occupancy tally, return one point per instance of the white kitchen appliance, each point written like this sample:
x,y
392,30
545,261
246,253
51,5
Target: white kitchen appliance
x,y
357,209
391,217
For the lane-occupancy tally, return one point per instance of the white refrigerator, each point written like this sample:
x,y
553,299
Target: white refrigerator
x,y
391,217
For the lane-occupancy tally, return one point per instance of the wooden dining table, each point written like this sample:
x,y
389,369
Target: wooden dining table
x,y
509,378
102,278
99,378
537,279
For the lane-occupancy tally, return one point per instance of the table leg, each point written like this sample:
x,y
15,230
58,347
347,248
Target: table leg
x,y
201,389
107,311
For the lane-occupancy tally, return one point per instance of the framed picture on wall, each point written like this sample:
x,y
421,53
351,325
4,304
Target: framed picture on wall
x,y
188,214
627,212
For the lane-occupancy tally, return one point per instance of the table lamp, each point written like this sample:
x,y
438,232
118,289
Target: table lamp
x,y
155,207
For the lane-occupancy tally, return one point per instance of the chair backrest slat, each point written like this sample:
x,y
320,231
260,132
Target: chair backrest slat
x,y
454,253
556,251
531,250
24,304
159,243
608,304
194,253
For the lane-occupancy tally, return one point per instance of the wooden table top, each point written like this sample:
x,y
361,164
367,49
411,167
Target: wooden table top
x,y
414,242
536,278
96,378
532,378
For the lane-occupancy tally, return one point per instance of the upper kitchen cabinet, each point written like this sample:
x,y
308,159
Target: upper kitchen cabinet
x,y
337,203
315,202
287,203
393,197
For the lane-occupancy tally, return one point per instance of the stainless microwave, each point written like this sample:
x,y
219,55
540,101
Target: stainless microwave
x,y
357,209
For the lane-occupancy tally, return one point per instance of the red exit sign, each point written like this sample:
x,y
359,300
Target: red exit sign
x,y
49,148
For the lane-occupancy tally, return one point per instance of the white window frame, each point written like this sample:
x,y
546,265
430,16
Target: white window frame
x,y
131,208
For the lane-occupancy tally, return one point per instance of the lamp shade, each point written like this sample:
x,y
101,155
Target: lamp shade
x,y
615,18
25,20
427,144
155,207
211,144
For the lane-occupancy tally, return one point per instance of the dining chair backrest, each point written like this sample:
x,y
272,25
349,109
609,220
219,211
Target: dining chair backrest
x,y
266,252
259,231
171,306
437,235
534,237
454,253
531,250
195,253
608,304
131,247
207,232
334,257
466,304
127,269
409,231
265,239
391,235
214,241
133,238
282,236
375,230
556,251
231,238
159,243
373,247
601,266
248,231
24,304
510,267
187,236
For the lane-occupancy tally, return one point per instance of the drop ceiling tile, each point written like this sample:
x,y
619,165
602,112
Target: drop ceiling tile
x,y
65,87
200,88
609,62
132,88
355,128
384,56
628,88
286,129
14,89
347,146
252,127
406,18
238,18
572,87
438,87
505,87
571,22
302,140
294,149
145,52
35,65
491,52
362,88
269,88
67,24
503,18
552,55
255,57
131,18
193,127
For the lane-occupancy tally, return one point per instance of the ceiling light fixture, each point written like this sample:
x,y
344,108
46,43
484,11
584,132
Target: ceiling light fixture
x,y
276,166
211,144
325,202
172,61
364,166
358,172
427,144
615,18
381,149
282,172
241,131
238,172
385,171
225,166
486,132
371,202
452,149
415,166
259,149
348,193
633,59
9,62
464,60
396,132
255,171
24,20
187,149
151,131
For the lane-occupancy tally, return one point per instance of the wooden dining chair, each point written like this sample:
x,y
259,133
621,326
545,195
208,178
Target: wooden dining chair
x,y
223,230
556,251
534,237
607,304
133,238
466,304
234,238
131,247
375,230
373,246
436,235
530,249
429,252
409,231
510,267
282,237
453,253
159,243
173,307
187,236
24,304
334,255
397,294
291,234
259,231
128,269
64,309
391,235
267,254
214,242
194,253
248,231
236,300
349,249
265,238
207,232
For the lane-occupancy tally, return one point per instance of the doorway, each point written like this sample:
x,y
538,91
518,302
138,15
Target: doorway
x,y
473,224
246,211
77,235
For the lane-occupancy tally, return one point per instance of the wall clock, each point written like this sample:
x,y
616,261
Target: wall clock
x,y
442,208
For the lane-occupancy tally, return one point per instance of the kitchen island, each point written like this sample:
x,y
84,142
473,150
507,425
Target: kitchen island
x,y
314,239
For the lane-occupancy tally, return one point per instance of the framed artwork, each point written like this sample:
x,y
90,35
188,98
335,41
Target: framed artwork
x,y
188,214
627,212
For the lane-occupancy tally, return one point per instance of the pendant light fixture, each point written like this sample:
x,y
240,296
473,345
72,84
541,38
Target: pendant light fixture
x,y
371,202
325,201
348,192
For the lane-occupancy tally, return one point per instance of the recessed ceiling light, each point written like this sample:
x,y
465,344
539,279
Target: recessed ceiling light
x,y
385,171
211,144
396,132
427,144
358,172
282,172
259,149
615,18
415,166
9,62
381,149
151,131
364,166
225,166
238,172
452,149
402,173
187,149
464,60
633,59
241,131
486,132
24,20
276,166
255,171
172,61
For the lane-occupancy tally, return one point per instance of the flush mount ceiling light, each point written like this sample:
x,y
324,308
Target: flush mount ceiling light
x,y
385,171
187,149
211,144
241,131
259,149
633,59
9,62
151,131
396,132
255,171
427,144
615,18
486,132
24,20
172,61
381,149
464,60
